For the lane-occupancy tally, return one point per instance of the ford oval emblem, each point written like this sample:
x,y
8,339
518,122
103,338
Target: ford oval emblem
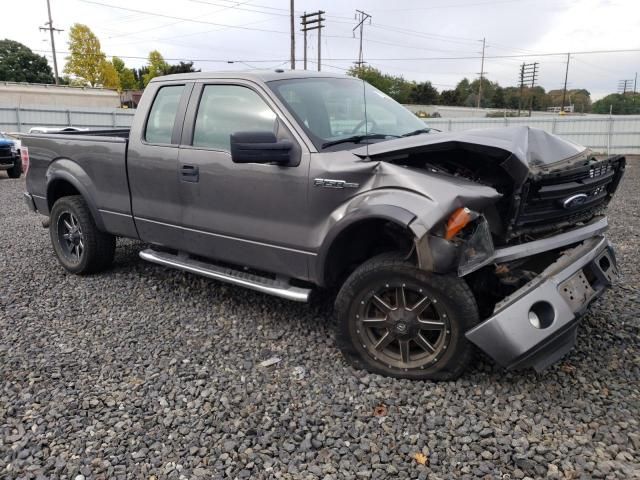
x,y
574,200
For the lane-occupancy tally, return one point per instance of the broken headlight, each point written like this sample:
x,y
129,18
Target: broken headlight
x,y
476,248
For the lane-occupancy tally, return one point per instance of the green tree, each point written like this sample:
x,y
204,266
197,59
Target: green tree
x,y
628,104
182,67
463,91
498,99
374,77
126,75
19,64
449,97
109,77
86,59
488,92
139,74
156,67
396,87
424,94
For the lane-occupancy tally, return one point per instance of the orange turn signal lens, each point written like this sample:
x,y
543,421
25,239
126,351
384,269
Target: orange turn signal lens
x,y
457,221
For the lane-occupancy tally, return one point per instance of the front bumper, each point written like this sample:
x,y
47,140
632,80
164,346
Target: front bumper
x,y
558,297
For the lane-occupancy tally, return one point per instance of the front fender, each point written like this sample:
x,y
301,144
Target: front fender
x,y
394,205
69,171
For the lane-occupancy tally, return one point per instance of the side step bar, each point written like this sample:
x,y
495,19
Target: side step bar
x,y
277,288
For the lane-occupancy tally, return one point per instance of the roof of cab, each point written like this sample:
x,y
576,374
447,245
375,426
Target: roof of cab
x,y
255,75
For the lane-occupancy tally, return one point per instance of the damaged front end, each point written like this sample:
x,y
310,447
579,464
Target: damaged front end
x,y
535,254
536,324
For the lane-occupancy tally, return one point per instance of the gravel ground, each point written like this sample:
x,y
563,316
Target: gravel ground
x,y
143,372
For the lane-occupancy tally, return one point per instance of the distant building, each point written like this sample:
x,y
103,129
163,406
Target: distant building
x,y
40,95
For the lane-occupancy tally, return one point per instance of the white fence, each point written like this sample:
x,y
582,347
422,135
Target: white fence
x,y
605,134
21,119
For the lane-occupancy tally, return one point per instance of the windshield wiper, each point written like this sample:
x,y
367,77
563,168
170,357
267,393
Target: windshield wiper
x,y
357,139
417,132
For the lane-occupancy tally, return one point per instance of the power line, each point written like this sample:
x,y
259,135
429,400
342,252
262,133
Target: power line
x,y
457,5
193,20
164,25
546,54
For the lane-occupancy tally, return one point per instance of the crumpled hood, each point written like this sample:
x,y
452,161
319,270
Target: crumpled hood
x,y
531,146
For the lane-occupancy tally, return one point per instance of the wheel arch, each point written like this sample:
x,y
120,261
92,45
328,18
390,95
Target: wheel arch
x,y
368,228
65,178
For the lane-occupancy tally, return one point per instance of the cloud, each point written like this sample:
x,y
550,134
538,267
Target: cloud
x,y
258,31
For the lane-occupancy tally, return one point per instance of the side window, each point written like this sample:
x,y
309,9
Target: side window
x,y
225,109
163,114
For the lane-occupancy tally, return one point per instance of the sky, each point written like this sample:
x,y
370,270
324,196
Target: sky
x,y
435,40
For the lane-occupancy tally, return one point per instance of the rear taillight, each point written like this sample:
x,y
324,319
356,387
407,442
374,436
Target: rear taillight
x,y
24,157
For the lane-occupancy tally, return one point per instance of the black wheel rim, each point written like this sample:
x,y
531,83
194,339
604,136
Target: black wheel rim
x,y
70,237
402,326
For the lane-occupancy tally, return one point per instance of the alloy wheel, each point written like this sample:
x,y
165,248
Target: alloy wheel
x,y
402,326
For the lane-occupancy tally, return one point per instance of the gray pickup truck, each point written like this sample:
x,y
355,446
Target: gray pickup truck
x,y
287,181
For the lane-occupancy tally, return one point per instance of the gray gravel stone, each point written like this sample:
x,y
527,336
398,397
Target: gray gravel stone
x,y
144,372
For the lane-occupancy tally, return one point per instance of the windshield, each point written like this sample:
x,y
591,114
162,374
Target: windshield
x,y
331,109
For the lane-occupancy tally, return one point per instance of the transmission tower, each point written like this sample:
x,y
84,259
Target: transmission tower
x,y
528,77
624,86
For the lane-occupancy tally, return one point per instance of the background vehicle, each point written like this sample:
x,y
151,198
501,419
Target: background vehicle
x,y
283,182
57,129
10,155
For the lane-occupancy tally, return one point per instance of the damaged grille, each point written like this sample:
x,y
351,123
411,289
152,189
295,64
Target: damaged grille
x,y
565,197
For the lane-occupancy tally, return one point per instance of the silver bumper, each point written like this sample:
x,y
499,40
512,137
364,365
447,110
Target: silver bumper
x,y
516,338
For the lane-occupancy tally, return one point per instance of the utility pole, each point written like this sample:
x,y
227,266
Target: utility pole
x,y
566,76
53,43
481,73
635,83
361,17
293,37
305,40
313,21
528,77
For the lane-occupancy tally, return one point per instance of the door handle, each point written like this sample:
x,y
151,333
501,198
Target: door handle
x,y
190,173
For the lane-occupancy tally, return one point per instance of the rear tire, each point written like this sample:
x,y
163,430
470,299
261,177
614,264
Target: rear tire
x,y
80,247
400,321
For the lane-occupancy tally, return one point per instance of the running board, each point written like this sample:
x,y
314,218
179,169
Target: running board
x,y
270,286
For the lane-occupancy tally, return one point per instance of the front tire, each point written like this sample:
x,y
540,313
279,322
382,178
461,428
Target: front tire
x,y
80,247
397,320
15,171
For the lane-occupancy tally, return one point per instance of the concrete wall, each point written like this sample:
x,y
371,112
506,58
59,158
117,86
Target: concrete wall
x,y
36,95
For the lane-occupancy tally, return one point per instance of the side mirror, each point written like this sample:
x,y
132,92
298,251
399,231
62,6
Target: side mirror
x,y
259,147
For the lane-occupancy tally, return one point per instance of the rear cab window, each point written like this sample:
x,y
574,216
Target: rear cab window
x,y
162,117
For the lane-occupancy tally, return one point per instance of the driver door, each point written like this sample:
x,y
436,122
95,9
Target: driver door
x,y
245,214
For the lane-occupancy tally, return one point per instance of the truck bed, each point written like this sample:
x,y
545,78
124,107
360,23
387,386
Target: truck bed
x,y
98,160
